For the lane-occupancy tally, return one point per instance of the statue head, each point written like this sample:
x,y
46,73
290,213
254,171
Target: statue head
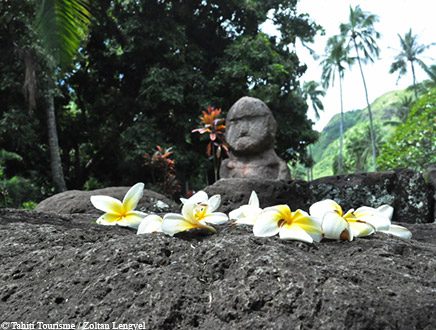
x,y
250,127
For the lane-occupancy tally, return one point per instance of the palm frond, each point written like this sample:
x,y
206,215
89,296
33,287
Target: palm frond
x,y
62,25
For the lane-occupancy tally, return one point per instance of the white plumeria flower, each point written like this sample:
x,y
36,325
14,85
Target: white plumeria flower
x,y
386,212
197,213
174,223
247,214
205,208
120,213
361,222
197,198
280,220
150,224
337,225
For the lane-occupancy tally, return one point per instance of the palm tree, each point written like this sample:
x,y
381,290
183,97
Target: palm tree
x,y
334,62
431,71
60,25
361,34
312,93
410,52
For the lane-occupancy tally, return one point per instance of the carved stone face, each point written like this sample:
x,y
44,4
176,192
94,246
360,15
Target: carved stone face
x,y
250,127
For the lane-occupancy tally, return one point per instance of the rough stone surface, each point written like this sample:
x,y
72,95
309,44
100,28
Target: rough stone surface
x,y
77,201
66,269
236,192
405,190
431,174
250,133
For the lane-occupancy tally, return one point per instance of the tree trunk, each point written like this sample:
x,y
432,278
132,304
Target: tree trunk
x,y
371,124
311,165
341,131
53,143
414,80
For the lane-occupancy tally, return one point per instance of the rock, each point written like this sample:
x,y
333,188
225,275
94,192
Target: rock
x,y
66,269
236,192
405,190
77,201
431,174
250,133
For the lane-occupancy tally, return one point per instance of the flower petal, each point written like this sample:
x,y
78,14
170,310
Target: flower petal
x,y
133,196
398,231
386,210
150,224
176,223
213,203
320,208
254,200
245,215
188,212
310,225
336,227
199,197
131,219
108,219
107,204
267,224
372,216
294,232
216,218
236,214
360,229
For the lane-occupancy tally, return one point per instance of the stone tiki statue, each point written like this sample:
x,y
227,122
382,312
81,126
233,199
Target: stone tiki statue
x,y
250,133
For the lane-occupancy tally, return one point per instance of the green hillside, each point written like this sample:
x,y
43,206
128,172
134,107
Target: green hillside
x,y
386,112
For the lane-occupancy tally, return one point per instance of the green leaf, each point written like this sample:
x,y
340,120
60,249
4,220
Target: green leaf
x,y
62,25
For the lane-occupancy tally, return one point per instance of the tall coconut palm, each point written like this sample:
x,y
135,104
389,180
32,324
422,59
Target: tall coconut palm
x,y
61,25
360,32
311,92
410,53
335,61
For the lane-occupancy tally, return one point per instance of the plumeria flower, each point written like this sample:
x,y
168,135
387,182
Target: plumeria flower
x,y
150,224
247,214
361,222
174,223
280,220
205,208
120,213
197,198
385,211
197,212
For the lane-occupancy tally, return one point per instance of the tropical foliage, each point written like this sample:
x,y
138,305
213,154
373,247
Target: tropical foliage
x,y
335,62
413,144
410,53
140,79
360,31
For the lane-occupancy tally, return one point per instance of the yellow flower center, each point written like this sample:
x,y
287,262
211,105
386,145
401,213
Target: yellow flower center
x,y
200,211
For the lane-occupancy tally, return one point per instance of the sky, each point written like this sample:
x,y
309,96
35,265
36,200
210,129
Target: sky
x,y
395,17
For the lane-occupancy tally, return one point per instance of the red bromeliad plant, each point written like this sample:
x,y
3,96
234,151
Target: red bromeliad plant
x,y
215,126
163,170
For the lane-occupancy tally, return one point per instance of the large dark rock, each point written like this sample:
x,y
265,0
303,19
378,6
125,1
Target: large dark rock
x,y
78,201
405,190
66,269
431,176
236,192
